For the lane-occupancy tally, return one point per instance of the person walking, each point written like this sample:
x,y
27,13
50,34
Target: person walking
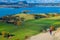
x,y
51,30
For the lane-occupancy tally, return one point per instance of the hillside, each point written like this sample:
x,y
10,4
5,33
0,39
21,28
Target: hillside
x,y
29,28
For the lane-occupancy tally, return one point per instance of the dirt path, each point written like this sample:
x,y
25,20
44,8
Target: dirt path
x,y
45,36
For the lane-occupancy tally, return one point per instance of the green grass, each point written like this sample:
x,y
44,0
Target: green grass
x,y
30,27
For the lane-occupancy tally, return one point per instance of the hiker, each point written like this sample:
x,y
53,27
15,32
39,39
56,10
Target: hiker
x,y
51,29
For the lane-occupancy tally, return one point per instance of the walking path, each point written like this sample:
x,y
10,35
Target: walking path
x,y
46,36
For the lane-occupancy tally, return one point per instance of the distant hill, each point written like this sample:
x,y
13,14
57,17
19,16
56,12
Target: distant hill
x,y
25,4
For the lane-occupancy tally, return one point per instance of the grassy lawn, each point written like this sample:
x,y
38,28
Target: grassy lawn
x,y
30,27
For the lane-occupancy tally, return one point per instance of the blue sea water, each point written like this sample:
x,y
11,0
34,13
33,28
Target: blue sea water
x,y
33,10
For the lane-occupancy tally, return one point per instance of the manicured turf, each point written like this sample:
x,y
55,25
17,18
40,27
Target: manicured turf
x,y
30,27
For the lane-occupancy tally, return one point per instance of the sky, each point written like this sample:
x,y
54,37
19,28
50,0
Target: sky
x,y
33,1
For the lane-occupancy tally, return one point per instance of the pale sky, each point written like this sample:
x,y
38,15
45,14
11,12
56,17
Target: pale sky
x,y
33,1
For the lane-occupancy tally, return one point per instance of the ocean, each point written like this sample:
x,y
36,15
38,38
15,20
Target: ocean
x,y
32,10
